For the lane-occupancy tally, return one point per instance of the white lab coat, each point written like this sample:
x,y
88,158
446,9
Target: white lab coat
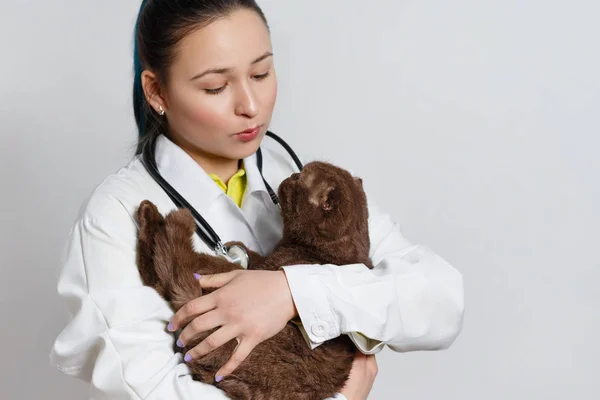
x,y
116,338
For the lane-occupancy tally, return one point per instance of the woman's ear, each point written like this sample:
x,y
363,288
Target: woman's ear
x,y
153,91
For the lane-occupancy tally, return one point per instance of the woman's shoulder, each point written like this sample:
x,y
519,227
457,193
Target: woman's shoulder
x,y
118,195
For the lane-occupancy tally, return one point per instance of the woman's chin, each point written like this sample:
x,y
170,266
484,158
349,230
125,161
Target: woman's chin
x,y
241,150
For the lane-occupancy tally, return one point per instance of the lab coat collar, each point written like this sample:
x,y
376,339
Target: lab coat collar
x,y
255,183
192,182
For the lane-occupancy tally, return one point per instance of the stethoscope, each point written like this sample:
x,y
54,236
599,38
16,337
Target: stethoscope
x,y
235,254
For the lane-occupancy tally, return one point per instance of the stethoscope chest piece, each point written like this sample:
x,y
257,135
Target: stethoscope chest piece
x,y
238,255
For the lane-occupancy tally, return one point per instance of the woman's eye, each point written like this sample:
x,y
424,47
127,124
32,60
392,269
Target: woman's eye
x,y
215,91
220,89
261,77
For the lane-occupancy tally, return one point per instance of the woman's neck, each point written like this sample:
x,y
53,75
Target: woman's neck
x,y
222,167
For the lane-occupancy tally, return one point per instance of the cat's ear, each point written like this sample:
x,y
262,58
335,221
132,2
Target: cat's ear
x,y
332,199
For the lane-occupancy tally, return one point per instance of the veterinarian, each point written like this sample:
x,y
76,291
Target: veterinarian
x,y
205,89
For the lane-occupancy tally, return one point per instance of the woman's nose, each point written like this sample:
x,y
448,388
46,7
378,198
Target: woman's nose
x,y
246,103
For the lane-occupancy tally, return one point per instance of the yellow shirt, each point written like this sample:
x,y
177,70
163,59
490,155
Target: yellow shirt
x,y
236,186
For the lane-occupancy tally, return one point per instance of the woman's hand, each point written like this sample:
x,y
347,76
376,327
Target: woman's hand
x,y
362,376
250,306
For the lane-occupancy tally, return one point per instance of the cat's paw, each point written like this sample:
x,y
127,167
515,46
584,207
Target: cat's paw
x,y
148,215
151,229
181,223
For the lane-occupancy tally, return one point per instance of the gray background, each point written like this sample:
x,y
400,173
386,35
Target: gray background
x,y
475,123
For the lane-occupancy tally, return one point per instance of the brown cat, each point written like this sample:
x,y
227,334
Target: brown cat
x,y
324,212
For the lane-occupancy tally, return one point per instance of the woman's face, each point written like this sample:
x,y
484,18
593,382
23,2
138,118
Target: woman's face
x,y
221,83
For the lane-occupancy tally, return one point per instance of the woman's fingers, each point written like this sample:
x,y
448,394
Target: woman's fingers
x,y
362,376
212,342
250,305
191,310
203,323
217,280
242,351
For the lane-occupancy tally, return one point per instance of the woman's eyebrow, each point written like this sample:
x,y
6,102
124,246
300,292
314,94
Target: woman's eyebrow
x,y
259,59
226,70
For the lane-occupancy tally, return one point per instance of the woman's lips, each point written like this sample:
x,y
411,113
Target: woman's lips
x,y
248,135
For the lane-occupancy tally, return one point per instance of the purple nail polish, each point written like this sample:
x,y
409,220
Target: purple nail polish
x,y
197,276
187,358
170,327
219,378
179,343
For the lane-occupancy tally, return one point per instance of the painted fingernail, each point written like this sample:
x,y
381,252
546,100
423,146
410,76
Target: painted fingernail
x,y
219,378
170,327
187,358
179,343
197,276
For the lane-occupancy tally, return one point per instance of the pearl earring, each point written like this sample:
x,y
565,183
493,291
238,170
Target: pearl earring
x,y
160,110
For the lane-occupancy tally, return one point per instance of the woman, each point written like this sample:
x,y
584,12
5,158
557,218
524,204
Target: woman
x,y
205,87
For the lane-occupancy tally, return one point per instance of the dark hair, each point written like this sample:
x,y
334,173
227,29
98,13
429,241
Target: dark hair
x,y
160,26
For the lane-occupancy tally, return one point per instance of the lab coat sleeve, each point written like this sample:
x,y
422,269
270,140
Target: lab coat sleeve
x,y
411,300
116,338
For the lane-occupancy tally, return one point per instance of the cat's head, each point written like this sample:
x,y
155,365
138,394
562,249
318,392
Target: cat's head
x,y
323,202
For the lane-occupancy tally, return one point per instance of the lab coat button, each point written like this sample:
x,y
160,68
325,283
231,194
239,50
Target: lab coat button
x,y
319,329
414,258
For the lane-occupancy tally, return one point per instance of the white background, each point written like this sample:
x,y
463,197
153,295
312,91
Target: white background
x,y
474,123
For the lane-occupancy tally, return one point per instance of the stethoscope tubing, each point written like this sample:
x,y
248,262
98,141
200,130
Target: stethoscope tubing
x,y
203,228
